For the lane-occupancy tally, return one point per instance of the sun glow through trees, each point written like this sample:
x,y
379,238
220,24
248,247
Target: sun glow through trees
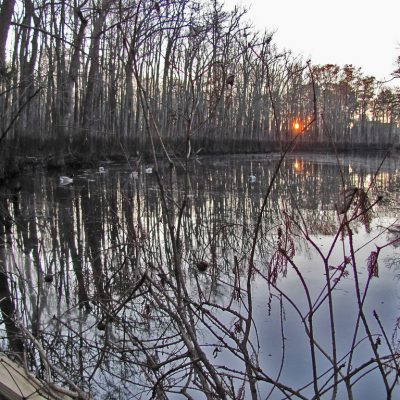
x,y
300,125
297,125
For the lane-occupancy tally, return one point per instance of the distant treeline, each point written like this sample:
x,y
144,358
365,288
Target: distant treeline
x,y
175,76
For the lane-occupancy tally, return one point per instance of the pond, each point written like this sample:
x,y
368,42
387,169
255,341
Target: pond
x,y
140,281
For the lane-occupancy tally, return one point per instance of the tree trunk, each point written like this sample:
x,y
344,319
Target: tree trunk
x,y
6,12
92,89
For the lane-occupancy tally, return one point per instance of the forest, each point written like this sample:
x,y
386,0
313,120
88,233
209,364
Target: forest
x,y
81,80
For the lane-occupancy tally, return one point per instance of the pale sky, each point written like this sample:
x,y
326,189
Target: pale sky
x,y
365,33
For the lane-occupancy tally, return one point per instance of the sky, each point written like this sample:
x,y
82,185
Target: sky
x,y
364,33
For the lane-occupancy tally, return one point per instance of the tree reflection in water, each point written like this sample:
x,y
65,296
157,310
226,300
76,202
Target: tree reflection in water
x,y
137,290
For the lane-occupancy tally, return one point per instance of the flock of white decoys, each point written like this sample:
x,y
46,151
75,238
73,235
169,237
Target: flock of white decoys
x,y
66,180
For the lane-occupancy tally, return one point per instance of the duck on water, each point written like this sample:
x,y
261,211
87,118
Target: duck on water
x,y
65,180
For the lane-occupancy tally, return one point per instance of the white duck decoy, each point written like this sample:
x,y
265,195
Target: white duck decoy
x,y
102,170
65,180
149,170
251,179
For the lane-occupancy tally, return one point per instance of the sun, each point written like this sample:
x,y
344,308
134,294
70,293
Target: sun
x,y
297,125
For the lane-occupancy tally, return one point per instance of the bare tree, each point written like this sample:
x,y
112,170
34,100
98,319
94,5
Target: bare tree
x,y
6,12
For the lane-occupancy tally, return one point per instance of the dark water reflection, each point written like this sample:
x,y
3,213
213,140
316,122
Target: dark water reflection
x,y
76,255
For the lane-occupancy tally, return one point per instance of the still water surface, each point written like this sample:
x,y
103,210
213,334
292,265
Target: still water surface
x,y
78,253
